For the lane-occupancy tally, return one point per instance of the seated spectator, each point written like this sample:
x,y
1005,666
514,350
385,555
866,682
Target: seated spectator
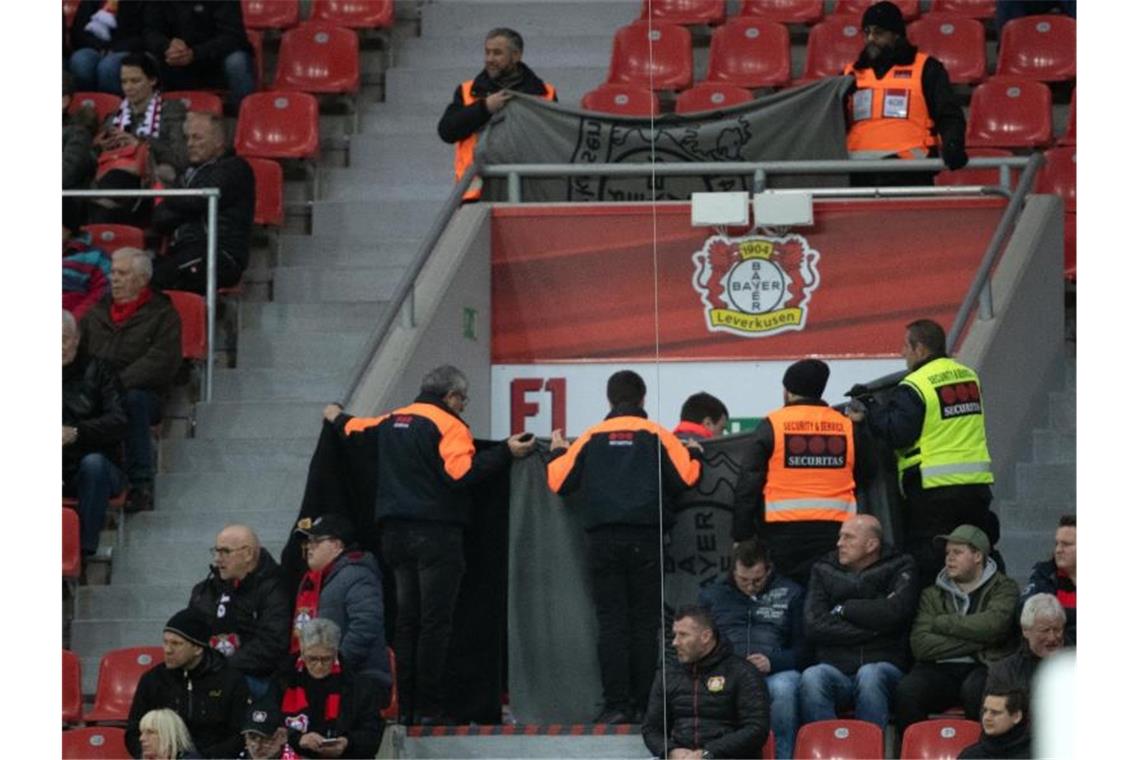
x,y
94,426
163,736
202,46
761,615
343,585
143,142
264,733
860,602
102,34
137,331
86,271
713,701
1058,576
323,701
184,219
1007,10
1042,635
703,416
964,623
78,154
197,683
249,609
1005,727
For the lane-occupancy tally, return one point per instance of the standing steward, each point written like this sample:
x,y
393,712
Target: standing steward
x,y
476,100
935,422
797,482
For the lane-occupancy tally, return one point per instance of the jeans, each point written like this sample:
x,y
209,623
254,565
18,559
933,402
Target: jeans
x,y
783,707
932,687
625,575
824,689
236,70
427,562
144,408
93,70
94,483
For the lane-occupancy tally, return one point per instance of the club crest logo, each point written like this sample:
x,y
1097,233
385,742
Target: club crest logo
x,y
756,286
715,683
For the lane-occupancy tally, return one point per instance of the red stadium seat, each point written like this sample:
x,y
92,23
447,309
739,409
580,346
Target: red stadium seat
x,y
270,14
320,58
197,100
839,740
1039,47
659,56
784,11
104,103
191,309
940,739
710,96
356,14
268,181
684,12
1010,113
958,42
1059,176
750,53
112,237
72,688
119,673
256,42
392,711
832,44
979,9
277,124
95,743
971,176
768,751
72,563
1070,136
622,100
909,8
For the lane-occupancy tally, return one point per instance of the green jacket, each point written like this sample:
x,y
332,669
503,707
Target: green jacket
x,y
943,630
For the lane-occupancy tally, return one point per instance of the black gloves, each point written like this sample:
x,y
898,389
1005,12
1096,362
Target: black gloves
x,y
954,156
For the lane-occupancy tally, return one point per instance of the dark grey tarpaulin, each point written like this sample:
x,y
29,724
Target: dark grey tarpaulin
x,y
797,124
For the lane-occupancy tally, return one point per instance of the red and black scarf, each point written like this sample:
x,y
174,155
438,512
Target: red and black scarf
x,y
295,704
121,312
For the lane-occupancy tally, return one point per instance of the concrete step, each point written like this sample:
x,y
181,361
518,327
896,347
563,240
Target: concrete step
x,y
334,285
357,316
1063,410
271,419
628,746
173,525
1022,549
1054,446
94,637
392,118
213,494
437,86
168,562
459,18
131,600
357,219
1046,481
312,250
275,384
543,50
236,454
276,350
380,159
430,192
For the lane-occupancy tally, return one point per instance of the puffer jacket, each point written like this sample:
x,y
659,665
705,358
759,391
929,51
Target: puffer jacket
x,y
250,619
146,349
718,704
952,626
93,405
876,609
770,623
352,597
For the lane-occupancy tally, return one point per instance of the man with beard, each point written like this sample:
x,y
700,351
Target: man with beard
x,y
476,100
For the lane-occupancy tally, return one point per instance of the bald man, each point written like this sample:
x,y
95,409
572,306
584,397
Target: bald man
x,y
248,605
861,600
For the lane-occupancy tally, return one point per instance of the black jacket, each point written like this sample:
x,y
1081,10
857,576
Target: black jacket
x,y
93,404
358,713
258,610
146,350
1013,672
1014,743
211,699
460,121
878,606
185,218
127,35
212,29
1045,580
718,704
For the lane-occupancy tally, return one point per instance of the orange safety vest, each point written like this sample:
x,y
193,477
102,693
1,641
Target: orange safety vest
x,y
890,114
811,474
465,148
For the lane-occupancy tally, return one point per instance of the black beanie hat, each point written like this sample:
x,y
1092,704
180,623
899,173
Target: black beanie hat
x,y
885,15
807,377
190,625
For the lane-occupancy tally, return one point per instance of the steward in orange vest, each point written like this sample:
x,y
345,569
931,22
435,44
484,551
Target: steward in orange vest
x,y
900,100
797,482
477,99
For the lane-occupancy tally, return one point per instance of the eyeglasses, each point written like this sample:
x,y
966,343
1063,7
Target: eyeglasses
x,y
222,551
313,659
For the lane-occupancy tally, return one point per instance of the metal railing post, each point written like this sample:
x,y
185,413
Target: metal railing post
x,y
514,188
759,179
211,290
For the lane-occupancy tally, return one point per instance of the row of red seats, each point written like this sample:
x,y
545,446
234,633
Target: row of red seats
x,y
282,14
713,12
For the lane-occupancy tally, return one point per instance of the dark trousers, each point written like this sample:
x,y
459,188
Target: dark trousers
x,y
625,575
426,559
144,408
94,483
936,512
184,268
933,687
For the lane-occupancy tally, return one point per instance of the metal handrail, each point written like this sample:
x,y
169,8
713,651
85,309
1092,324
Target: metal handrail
x,y
211,194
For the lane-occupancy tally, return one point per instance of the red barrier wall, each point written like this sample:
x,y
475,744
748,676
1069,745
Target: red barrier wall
x,y
579,283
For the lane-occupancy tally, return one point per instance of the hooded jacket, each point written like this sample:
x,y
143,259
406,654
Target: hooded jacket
x,y
953,626
93,405
352,597
859,617
211,699
146,349
250,618
770,623
718,704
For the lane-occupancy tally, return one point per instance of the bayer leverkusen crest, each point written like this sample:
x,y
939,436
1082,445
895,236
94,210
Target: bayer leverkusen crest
x,y
756,286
